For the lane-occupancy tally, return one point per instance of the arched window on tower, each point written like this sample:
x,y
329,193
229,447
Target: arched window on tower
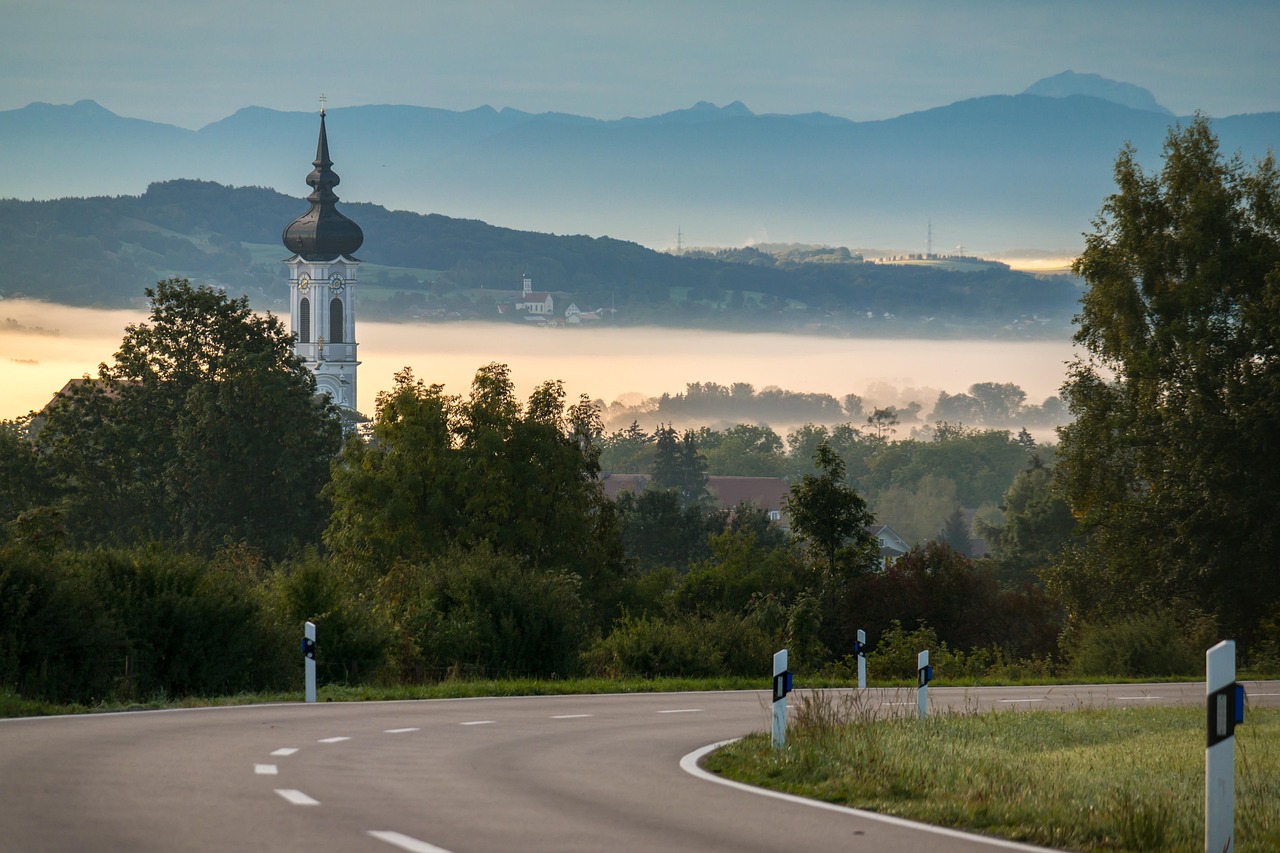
x,y
335,321
304,321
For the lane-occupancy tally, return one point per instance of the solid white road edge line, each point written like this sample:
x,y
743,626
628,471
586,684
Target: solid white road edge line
x,y
683,711
689,764
265,769
296,797
405,842
1013,701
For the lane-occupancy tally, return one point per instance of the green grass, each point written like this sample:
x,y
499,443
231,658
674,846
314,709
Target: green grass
x,y
12,705
1088,779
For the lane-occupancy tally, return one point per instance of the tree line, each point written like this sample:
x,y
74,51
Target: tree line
x,y
988,404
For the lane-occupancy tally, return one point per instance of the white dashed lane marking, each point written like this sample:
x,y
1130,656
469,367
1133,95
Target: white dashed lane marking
x,y
477,723
338,739
265,769
399,731
570,716
405,842
296,797
285,750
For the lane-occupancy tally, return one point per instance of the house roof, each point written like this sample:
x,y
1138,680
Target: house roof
x,y
768,492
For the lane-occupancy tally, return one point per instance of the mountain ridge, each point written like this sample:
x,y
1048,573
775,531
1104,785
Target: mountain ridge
x,y
989,172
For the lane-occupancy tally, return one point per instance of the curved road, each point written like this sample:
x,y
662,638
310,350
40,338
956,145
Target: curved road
x,y
540,773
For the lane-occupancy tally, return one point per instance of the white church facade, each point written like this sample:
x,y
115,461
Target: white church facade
x,y
322,283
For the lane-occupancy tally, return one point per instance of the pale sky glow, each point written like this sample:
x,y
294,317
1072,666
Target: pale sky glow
x,y
192,62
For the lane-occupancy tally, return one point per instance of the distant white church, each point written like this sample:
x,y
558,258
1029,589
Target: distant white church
x,y
322,283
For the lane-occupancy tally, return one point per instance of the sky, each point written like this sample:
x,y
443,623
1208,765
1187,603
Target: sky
x,y
193,62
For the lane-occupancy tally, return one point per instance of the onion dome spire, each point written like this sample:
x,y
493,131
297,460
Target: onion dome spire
x,y
322,233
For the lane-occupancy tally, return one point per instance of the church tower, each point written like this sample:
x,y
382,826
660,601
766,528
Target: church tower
x,y
322,283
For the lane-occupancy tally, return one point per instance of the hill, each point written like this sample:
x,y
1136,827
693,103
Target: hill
x,y
994,173
102,251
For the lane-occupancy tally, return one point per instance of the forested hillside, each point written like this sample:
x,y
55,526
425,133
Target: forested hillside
x,y
95,251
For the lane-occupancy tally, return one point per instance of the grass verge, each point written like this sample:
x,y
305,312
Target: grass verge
x,y
1089,779
12,705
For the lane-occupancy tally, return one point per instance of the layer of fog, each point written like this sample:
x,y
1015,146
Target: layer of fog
x,y
42,346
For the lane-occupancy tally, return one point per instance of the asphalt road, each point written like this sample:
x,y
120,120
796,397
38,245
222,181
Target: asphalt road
x,y
591,773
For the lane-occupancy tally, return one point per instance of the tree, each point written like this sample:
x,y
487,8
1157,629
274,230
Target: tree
x,y
747,450
999,402
679,464
206,429
831,515
23,484
657,530
957,409
628,450
1037,524
484,471
883,421
1171,464
955,533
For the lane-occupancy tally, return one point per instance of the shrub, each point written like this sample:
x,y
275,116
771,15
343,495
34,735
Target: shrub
x,y
56,642
1138,646
895,656
650,647
182,629
484,612
352,639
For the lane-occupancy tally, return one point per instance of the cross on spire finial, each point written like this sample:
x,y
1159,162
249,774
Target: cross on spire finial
x,y
322,100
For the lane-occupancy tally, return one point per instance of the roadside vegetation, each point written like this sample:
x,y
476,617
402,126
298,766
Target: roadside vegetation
x,y
1086,779
168,526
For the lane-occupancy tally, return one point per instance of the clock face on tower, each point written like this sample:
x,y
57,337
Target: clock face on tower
x,y
336,282
304,282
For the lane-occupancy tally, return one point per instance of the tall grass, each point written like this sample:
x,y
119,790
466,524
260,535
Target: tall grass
x,y
1088,779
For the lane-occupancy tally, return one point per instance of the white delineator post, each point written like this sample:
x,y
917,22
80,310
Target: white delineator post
x,y
862,659
1225,709
781,687
309,657
924,674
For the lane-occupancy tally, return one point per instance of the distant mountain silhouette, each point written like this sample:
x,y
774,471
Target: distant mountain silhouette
x,y
104,251
991,173
1070,83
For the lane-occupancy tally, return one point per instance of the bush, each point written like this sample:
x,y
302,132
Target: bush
x,y
482,612
961,600
182,629
652,647
1140,646
353,640
56,642
895,656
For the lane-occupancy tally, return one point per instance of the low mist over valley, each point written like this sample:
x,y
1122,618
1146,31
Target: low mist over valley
x,y
42,346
